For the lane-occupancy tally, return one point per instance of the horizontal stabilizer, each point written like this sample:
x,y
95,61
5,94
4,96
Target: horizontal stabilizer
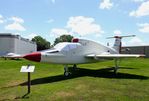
x,y
121,36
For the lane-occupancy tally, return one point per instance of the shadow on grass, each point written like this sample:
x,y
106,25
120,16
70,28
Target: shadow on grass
x,y
26,96
81,72
125,68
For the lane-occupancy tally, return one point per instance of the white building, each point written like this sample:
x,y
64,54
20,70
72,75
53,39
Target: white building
x,y
10,43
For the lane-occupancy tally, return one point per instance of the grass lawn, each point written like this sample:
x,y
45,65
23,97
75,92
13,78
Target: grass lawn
x,y
90,82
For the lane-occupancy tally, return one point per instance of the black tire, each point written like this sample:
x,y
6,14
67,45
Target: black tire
x,y
66,74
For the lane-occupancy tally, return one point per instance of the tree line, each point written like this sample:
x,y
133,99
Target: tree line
x,y
43,44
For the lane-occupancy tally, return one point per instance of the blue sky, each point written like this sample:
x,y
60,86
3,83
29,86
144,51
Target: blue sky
x,y
91,19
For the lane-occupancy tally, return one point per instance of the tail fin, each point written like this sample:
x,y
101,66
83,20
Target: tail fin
x,y
118,44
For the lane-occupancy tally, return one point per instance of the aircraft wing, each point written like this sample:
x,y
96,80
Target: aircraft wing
x,y
12,55
15,56
114,56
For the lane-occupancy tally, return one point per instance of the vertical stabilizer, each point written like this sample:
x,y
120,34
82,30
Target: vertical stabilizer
x,y
117,44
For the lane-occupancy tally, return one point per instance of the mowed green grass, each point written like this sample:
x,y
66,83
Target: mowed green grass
x,y
90,82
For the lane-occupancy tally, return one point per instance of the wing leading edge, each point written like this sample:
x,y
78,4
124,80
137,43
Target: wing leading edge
x,y
114,55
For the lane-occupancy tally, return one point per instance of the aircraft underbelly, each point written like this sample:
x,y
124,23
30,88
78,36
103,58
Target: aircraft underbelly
x,y
66,59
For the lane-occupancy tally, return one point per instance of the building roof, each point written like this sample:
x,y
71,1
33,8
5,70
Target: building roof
x,y
10,35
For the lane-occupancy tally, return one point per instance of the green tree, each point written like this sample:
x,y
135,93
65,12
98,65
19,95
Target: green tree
x,y
41,43
63,38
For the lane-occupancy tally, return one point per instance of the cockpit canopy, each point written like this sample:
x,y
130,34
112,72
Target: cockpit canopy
x,y
66,46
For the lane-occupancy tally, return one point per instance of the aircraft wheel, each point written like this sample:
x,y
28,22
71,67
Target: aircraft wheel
x,y
66,74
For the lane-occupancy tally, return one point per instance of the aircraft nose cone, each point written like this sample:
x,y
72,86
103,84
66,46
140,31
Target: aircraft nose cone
x,y
35,56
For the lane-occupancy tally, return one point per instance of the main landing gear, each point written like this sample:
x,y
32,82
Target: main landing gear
x,y
116,65
66,70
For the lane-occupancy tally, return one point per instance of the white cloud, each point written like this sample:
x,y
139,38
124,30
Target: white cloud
x,y
83,26
32,35
98,35
17,19
1,19
144,27
143,10
1,16
135,41
58,32
117,32
15,26
80,26
106,4
124,43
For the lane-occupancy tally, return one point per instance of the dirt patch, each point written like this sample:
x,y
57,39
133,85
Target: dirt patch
x,y
9,97
80,86
13,83
65,94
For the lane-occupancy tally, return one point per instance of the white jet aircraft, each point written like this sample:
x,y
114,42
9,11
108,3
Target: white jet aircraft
x,y
80,51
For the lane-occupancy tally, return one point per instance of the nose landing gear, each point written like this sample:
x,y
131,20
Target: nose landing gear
x,y
66,70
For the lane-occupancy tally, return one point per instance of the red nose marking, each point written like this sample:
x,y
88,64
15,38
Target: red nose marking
x,y
35,56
